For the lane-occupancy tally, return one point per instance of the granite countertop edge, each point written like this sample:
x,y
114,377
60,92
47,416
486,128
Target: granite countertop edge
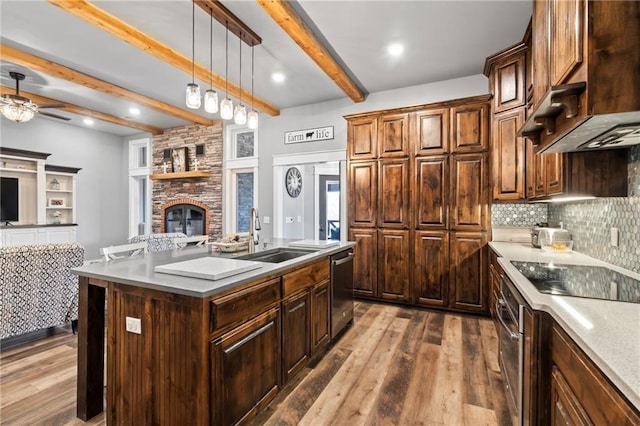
x,y
597,326
139,270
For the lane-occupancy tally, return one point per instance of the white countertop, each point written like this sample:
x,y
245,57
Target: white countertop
x,y
139,270
607,331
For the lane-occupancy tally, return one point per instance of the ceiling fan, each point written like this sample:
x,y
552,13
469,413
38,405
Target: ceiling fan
x,y
20,109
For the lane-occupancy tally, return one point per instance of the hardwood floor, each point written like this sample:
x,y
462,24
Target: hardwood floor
x,y
395,366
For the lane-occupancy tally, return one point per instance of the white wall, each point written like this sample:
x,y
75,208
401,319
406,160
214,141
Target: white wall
x,y
101,184
271,135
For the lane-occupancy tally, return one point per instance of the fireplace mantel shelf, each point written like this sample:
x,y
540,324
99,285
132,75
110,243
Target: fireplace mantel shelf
x,y
181,175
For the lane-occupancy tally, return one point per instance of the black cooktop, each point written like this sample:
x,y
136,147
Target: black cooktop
x,y
594,282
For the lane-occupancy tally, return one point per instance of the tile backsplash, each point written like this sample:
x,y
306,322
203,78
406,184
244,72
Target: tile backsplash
x,y
518,215
590,222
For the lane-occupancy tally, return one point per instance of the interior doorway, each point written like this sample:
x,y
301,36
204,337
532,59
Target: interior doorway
x,y
329,207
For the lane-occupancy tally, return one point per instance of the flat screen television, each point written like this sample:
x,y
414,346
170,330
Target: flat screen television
x,y
8,199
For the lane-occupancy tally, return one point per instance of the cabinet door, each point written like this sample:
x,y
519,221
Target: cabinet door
x,y
363,193
245,370
566,18
508,156
468,188
432,131
393,265
320,316
295,334
362,138
539,164
540,50
365,272
393,135
470,127
565,407
431,270
553,171
508,83
468,289
431,192
393,199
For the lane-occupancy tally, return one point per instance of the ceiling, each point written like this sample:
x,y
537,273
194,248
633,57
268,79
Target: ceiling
x,y
442,40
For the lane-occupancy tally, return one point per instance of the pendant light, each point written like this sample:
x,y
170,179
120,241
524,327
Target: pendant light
x,y
211,96
252,117
240,113
193,90
226,106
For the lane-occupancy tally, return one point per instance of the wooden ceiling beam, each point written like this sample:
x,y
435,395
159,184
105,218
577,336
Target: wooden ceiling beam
x,y
224,16
291,22
75,109
36,63
125,32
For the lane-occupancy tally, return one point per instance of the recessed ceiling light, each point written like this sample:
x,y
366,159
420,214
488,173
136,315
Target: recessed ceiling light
x,y
88,121
395,49
278,77
134,110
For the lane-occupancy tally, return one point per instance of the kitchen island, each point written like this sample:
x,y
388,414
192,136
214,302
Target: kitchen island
x,y
597,338
185,350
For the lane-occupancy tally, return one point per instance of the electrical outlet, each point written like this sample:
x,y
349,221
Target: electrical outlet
x,y
288,219
266,219
134,325
615,237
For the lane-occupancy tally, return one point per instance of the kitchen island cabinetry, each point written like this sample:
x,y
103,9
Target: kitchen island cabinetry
x,y
245,370
184,350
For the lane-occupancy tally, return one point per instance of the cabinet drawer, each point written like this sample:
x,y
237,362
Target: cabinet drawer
x,y
600,400
243,304
305,277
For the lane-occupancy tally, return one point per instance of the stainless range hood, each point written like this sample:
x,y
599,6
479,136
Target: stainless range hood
x,y
606,131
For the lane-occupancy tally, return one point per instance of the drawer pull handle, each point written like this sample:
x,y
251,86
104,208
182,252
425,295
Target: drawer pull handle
x,y
248,338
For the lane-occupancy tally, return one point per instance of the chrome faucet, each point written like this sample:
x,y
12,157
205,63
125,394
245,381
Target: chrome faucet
x,y
254,225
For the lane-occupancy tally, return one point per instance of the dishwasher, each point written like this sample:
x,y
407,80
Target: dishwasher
x,y
341,291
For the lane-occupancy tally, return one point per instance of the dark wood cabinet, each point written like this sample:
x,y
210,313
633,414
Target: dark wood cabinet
x,y
507,78
393,135
432,131
566,22
362,138
431,270
245,369
468,272
295,334
580,393
508,156
393,199
553,174
530,169
365,261
393,265
470,127
363,193
468,192
320,316
540,50
494,286
431,192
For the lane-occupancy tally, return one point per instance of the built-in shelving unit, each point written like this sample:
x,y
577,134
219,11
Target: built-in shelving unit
x,y
181,175
46,199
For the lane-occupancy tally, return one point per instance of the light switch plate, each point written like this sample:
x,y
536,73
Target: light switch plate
x,y
615,237
134,325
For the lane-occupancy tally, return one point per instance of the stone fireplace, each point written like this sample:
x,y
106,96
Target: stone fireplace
x,y
182,200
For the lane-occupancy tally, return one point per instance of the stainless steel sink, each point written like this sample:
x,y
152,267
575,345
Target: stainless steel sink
x,y
276,255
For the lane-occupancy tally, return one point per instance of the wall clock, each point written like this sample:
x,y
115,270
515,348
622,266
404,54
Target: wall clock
x,y
293,182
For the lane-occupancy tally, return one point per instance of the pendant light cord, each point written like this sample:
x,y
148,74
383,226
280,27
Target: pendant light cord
x,y
252,71
226,70
211,53
240,43
193,41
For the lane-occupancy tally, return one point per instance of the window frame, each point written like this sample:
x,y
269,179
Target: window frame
x,y
137,174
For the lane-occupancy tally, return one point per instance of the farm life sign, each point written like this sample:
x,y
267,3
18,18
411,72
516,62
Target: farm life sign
x,y
309,135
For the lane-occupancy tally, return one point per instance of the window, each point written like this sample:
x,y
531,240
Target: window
x,y
240,176
139,187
